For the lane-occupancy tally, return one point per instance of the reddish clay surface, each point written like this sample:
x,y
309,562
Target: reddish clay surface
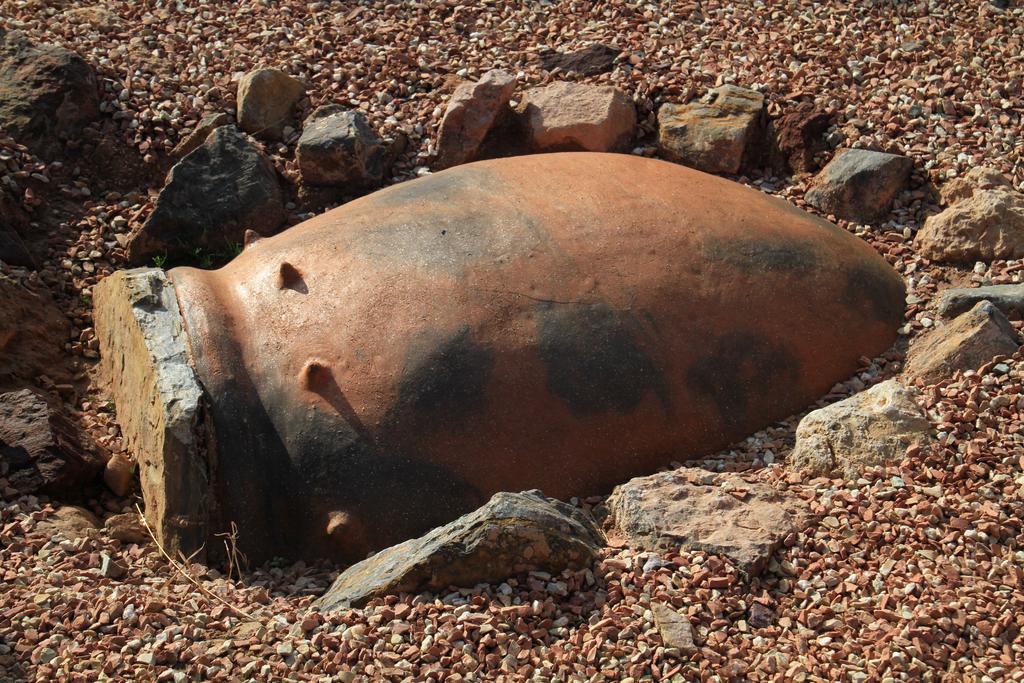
x,y
561,321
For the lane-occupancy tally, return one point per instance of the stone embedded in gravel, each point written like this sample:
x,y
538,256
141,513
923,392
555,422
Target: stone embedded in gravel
x,y
588,61
698,510
860,185
724,135
986,226
675,628
978,178
212,196
1007,298
874,427
577,117
964,343
797,136
110,568
207,125
42,446
127,527
70,521
118,475
471,113
511,534
266,98
32,333
47,93
339,149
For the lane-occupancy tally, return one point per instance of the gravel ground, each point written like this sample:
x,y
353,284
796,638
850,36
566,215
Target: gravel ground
x,y
914,572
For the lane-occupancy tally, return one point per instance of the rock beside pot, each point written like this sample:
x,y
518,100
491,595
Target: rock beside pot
x,y
965,343
577,117
860,185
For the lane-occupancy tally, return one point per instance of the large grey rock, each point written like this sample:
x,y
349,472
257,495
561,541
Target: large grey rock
x,y
512,533
724,135
266,98
699,510
144,358
471,114
873,427
986,226
1007,298
212,196
578,117
47,93
860,185
965,343
339,149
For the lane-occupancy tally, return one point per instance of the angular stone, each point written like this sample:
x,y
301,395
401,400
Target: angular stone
x,y
573,116
339,149
207,125
986,226
588,61
42,446
873,427
860,185
1007,298
212,196
721,514
978,178
472,112
266,98
111,568
964,343
675,629
144,356
32,335
725,135
47,93
797,137
511,534
70,521
127,528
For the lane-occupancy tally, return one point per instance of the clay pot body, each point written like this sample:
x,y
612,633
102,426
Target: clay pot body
x,y
561,321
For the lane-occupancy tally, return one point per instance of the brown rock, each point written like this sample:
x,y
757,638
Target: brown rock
x,y
978,178
698,510
266,98
338,148
207,125
675,629
472,112
32,335
797,137
42,447
573,116
986,226
965,343
71,522
588,61
860,185
127,528
724,135
118,475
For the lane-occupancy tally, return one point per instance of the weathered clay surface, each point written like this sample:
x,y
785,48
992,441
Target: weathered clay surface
x,y
338,148
574,116
588,61
266,98
557,311
47,93
722,514
471,113
987,225
873,427
1007,298
511,534
32,333
144,358
964,343
42,447
860,185
725,135
223,188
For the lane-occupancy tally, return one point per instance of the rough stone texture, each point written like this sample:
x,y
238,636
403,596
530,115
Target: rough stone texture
x,y
978,178
675,629
118,475
70,521
1007,298
32,334
860,185
472,111
339,149
47,93
699,510
873,427
588,61
266,98
797,137
511,534
986,226
42,447
144,357
127,528
207,125
211,198
964,343
573,116
724,135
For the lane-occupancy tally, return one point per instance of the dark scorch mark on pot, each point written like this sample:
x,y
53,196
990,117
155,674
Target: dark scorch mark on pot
x,y
763,256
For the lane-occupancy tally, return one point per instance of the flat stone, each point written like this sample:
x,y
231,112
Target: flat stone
x,y
860,185
471,114
721,514
965,343
127,528
1007,298
111,568
675,628
587,61
577,117
873,427
144,356
723,135
266,98
986,226
339,149
511,534
70,521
